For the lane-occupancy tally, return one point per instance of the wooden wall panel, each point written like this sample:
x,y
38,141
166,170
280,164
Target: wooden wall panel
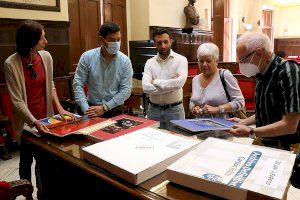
x,y
115,11
291,46
75,34
218,25
85,21
58,43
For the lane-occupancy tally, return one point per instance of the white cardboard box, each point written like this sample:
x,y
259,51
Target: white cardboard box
x,y
139,155
228,169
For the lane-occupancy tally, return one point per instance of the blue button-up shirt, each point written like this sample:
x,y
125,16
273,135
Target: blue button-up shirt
x,y
108,84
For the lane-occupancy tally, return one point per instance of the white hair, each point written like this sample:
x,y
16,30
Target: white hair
x,y
208,49
253,40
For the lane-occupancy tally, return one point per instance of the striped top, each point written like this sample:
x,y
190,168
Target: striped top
x,y
277,93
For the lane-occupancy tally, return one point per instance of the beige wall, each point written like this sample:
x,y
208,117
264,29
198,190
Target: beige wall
x,y
37,15
139,19
288,22
169,13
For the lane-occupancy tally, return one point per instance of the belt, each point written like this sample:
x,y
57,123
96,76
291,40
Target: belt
x,y
166,106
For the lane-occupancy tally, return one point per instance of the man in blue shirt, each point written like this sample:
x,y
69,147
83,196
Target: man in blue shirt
x,y
106,72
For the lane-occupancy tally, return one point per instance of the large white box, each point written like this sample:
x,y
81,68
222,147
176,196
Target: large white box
x,y
139,155
228,169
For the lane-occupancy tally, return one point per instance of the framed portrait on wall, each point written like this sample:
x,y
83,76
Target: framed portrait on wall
x,y
48,5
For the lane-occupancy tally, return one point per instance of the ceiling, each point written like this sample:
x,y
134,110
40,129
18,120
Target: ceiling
x,y
284,3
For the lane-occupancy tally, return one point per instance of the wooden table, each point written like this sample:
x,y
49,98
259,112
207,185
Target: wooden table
x,y
64,174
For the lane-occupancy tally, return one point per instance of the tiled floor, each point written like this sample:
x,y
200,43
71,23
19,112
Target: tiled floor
x,y
9,171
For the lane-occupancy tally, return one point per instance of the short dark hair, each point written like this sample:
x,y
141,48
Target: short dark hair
x,y
108,28
28,35
160,31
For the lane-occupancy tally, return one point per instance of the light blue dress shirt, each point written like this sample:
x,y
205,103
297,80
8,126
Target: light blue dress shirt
x,y
107,84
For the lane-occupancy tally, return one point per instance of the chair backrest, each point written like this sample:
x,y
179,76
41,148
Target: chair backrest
x,y
11,190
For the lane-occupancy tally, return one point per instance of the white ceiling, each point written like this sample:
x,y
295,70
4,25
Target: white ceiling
x,y
285,3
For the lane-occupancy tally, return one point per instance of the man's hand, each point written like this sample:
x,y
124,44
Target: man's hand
x,y
240,130
95,111
42,128
207,109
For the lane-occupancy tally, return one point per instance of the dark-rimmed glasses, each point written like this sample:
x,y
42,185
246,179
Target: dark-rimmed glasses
x,y
33,73
247,56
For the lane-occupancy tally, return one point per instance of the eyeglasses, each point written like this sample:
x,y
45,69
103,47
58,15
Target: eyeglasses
x,y
43,38
33,73
242,60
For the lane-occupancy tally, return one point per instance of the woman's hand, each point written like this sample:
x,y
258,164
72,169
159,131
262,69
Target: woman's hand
x,y
207,109
42,128
66,115
197,111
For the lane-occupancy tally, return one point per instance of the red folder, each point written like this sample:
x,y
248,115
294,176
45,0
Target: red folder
x,y
73,127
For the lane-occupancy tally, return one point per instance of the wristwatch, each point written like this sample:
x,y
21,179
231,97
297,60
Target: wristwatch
x,y
251,133
221,109
105,107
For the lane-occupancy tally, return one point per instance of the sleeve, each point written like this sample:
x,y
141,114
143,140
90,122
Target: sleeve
x,y
80,79
124,87
19,104
289,82
174,83
237,99
147,85
192,104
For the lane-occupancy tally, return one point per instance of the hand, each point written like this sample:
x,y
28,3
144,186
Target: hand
x,y
95,111
66,115
238,120
207,109
176,75
42,128
240,130
197,110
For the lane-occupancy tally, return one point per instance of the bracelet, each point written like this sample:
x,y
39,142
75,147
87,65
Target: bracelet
x,y
221,109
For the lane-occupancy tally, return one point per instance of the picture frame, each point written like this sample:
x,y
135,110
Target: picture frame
x,y
46,5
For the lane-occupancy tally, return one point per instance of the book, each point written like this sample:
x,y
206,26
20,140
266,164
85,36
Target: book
x,y
231,170
118,126
76,127
139,155
203,124
57,120
65,128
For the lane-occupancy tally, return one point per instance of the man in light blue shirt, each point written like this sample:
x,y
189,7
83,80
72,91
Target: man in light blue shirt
x,y
106,72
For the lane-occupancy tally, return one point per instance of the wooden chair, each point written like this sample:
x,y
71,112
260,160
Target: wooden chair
x,y
11,190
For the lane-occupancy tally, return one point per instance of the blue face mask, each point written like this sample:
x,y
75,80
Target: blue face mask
x,y
112,47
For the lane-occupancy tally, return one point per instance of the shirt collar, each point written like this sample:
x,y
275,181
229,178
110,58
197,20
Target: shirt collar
x,y
171,55
269,64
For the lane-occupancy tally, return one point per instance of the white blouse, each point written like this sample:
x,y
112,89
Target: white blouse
x,y
214,93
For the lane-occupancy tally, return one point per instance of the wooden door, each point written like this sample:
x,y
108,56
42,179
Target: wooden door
x,y
115,11
218,13
85,20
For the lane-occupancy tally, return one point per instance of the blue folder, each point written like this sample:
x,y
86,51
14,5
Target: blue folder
x,y
203,124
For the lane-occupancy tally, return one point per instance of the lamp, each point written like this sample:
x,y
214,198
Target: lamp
x,y
248,27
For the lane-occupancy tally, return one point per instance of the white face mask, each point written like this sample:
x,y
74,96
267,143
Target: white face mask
x,y
248,69
112,47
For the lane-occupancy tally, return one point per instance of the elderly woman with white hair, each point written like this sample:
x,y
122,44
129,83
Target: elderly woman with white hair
x,y
208,94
